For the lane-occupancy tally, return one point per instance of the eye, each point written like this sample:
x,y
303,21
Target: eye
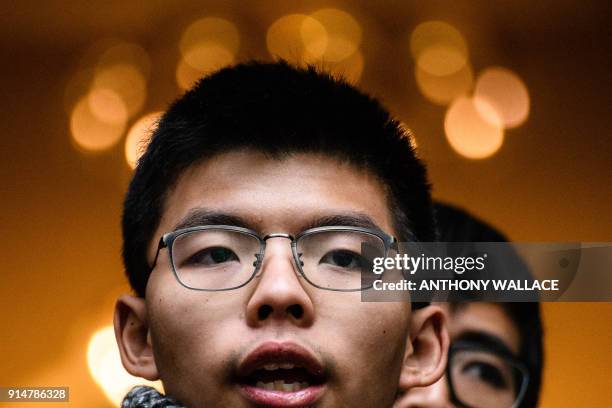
x,y
211,257
485,373
343,259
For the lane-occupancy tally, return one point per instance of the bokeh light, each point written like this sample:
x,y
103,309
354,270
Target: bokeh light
x,y
78,85
126,53
440,61
138,137
350,68
186,75
469,133
106,369
107,106
207,57
438,48
503,90
201,60
206,45
343,33
103,95
297,38
442,90
210,30
111,67
127,81
89,132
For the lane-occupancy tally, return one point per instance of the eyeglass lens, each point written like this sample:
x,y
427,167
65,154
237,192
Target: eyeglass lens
x,y
335,259
214,259
224,259
482,379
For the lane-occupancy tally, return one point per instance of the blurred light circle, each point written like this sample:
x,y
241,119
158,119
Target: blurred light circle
x,y
438,48
211,30
127,53
469,133
343,33
435,33
349,68
105,367
138,137
297,38
442,90
186,75
503,90
208,57
91,133
440,60
107,106
125,80
77,86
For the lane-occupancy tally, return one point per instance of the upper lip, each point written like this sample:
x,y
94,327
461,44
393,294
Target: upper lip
x,y
280,353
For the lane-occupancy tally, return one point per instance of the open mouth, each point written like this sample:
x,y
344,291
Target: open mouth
x,y
281,375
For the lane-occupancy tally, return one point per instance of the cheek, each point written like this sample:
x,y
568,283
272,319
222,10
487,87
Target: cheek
x,y
187,333
369,337
369,324
376,324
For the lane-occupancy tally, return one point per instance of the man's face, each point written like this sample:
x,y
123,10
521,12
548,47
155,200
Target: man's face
x,y
483,324
202,340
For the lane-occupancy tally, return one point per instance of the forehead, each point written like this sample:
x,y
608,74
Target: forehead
x,y
487,318
276,194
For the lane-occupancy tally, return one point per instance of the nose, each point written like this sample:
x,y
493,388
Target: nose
x,y
436,395
279,295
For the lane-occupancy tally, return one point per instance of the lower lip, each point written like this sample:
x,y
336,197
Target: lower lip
x,y
282,399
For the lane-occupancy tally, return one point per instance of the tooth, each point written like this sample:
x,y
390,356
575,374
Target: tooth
x,y
279,385
260,384
296,386
271,367
288,387
304,384
287,366
269,386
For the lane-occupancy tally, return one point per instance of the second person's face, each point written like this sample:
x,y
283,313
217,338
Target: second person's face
x,y
484,375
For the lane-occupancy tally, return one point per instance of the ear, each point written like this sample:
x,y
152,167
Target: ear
x,y
133,337
427,350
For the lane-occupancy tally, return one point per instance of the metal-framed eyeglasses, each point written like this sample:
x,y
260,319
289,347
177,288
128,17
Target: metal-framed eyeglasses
x,y
480,377
226,257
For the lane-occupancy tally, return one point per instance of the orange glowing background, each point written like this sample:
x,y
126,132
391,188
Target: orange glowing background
x,y
506,102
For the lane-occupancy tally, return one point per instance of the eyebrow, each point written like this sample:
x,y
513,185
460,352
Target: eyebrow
x,y
349,219
488,341
202,216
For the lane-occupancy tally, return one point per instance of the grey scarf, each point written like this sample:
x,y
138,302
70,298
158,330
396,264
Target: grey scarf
x,y
147,397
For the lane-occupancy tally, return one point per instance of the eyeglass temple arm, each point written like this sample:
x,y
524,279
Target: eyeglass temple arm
x,y
162,244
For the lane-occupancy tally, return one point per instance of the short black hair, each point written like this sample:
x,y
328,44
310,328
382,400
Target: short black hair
x,y
457,225
277,109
